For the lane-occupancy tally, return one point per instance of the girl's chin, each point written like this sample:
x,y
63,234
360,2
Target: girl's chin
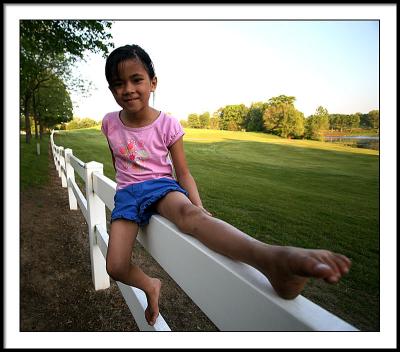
x,y
133,110
131,104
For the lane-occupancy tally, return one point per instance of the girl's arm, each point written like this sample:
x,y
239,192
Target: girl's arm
x,y
112,154
183,175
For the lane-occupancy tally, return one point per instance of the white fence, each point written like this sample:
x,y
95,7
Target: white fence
x,y
235,296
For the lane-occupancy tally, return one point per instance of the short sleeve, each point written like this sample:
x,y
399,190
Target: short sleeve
x,y
104,125
175,132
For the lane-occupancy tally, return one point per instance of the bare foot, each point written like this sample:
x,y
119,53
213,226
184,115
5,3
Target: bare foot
x,y
289,268
153,295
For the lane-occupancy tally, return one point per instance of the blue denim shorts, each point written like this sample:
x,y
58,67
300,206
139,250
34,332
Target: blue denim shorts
x,y
135,202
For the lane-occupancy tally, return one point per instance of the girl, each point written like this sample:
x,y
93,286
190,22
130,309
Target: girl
x,y
140,139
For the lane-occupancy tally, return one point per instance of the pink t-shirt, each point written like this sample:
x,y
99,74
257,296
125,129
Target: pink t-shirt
x,y
141,154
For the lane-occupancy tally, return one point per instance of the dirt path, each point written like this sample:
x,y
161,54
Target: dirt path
x,y
56,290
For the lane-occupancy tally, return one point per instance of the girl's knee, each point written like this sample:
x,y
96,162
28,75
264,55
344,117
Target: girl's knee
x,y
116,270
190,217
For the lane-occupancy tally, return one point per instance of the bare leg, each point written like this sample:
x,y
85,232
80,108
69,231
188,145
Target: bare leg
x,y
287,268
120,246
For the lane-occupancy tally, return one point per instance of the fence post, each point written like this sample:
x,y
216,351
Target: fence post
x,y
54,150
56,156
96,216
62,166
70,176
59,152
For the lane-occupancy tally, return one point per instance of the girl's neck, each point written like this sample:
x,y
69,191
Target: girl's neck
x,y
140,119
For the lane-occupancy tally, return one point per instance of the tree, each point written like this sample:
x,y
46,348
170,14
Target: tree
x,y
364,121
204,120
346,122
193,121
353,121
214,121
232,117
317,123
293,125
281,117
337,121
373,118
184,123
254,118
52,104
50,47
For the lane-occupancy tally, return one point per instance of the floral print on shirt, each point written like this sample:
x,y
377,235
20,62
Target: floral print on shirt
x,y
133,154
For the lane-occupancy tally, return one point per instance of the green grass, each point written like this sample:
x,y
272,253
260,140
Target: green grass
x,y
290,192
33,167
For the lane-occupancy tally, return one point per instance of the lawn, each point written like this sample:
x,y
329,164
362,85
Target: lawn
x,y
33,167
289,192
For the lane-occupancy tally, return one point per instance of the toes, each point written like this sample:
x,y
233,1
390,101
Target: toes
x,y
312,267
339,265
332,279
322,270
151,317
332,263
148,315
343,262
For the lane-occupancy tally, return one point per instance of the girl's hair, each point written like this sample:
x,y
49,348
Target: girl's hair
x,y
125,53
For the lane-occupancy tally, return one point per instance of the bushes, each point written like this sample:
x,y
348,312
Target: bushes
x,y
78,123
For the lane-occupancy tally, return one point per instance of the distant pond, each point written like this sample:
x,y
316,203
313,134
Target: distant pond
x,y
369,142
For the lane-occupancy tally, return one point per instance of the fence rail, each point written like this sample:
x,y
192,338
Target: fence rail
x,y
234,295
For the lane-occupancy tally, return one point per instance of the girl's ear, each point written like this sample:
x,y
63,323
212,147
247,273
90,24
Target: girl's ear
x,y
153,84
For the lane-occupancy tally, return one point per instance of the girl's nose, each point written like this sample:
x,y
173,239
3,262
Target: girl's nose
x,y
129,88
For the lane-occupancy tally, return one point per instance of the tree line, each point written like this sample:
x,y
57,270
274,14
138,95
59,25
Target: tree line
x,y
48,51
279,116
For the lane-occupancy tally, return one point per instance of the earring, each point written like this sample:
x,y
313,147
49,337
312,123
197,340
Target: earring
x,y
154,96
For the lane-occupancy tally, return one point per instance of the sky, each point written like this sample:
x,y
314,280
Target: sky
x,y
204,65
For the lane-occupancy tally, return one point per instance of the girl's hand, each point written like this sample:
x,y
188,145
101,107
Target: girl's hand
x,y
205,210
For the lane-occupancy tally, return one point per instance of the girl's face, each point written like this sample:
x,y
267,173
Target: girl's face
x,y
131,90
